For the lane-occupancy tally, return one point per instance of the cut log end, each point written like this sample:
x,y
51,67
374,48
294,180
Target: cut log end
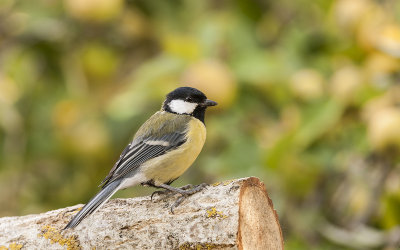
x,y
259,226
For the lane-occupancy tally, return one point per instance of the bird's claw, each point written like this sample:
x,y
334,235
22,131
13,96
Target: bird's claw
x,y
177,203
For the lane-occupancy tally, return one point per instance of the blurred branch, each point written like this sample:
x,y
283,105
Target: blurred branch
x,y
362,236
384,167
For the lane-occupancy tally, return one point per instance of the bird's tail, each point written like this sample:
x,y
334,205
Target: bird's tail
x,y
95,203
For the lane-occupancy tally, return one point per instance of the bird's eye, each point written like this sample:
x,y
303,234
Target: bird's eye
x,y
189,99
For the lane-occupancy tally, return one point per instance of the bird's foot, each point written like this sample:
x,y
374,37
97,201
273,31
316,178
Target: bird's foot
x,y
184,191
168,191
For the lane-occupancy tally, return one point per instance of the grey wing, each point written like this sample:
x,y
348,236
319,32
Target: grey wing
x,y
142,150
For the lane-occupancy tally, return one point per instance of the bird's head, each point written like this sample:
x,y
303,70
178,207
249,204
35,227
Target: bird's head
x,y
187,100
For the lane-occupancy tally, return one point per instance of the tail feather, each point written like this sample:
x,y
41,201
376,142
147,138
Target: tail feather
x,y
95,203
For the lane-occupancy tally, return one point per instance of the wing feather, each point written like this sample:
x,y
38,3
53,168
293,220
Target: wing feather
x,y
136,154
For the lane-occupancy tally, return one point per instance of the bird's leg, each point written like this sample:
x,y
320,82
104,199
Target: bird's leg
x,y
183,191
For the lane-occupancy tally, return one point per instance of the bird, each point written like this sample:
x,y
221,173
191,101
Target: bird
x,y
163,148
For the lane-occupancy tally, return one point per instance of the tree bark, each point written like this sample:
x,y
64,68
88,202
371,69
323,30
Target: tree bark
x,y
236,214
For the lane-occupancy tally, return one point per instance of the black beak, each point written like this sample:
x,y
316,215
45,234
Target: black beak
x,y
208,103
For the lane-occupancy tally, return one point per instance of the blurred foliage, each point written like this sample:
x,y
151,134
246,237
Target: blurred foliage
x,y
309,99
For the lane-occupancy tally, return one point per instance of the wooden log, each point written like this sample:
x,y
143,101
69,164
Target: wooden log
x,y
236,214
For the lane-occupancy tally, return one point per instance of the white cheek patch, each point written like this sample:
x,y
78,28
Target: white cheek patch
x,y
182,107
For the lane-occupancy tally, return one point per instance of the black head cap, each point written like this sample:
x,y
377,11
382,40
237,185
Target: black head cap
x,y
187,94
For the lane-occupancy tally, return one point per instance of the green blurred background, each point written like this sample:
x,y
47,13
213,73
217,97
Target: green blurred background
x,y
309,95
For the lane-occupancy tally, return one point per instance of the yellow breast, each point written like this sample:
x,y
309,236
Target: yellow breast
x,y
173,164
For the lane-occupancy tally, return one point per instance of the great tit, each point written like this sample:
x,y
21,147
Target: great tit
x,y
162,149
